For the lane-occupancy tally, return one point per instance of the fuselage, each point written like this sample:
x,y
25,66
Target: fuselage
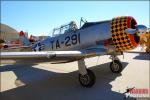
x,y
104,34
89,35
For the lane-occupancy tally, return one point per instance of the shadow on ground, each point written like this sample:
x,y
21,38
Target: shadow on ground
x,y
47,85
143,56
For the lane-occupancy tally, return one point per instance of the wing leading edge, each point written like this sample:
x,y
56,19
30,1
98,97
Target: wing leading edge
x,y
49,56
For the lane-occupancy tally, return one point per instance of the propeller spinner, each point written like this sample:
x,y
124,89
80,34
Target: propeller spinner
x,y
140,29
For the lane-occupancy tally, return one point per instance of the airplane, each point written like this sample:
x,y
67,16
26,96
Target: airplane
x,y
20,44
68,44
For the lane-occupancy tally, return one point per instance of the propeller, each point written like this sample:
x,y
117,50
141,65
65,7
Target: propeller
x,y
140,29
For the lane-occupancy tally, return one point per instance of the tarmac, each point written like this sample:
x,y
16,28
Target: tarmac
x,y
47,81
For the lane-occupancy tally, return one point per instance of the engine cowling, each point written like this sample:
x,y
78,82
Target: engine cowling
x,y
122,40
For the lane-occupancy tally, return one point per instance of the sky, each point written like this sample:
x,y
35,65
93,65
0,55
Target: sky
x,y
40,17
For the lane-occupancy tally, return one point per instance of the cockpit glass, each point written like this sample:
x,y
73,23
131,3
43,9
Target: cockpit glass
x,y
64,29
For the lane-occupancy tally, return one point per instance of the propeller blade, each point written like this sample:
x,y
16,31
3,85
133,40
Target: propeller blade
x,y
130,31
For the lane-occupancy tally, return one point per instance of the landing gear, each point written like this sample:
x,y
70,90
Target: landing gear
x,y
115,65
86,77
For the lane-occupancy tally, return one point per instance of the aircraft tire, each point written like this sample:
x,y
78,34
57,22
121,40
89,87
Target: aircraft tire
x,y
87,80
116,67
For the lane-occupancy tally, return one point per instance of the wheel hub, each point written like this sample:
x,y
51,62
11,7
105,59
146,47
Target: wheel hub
x,y
115,67
85,79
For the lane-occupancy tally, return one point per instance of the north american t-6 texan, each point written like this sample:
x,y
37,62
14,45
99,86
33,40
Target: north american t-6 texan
x,y
110,37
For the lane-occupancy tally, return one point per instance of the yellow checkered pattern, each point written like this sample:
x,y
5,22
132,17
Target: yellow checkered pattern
x,y
120,39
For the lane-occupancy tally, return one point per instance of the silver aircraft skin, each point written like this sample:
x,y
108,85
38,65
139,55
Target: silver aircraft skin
x,y
78,39
92,39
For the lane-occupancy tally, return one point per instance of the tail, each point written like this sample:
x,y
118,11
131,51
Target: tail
x,y
23,39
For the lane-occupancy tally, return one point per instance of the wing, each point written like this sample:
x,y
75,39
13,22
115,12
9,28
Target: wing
x,y
17,48
51,56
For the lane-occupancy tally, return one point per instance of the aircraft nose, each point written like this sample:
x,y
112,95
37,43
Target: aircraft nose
x,y
125,33
134,34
